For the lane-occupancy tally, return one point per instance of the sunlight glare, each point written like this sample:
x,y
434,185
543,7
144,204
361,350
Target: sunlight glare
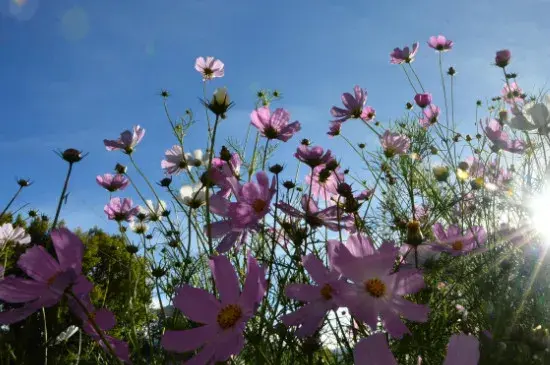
x,y
540,214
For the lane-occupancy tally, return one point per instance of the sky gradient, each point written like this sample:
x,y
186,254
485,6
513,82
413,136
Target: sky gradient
x,y
73,73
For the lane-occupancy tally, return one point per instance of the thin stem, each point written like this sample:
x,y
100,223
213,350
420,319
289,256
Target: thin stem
x,y
45,336
417,79
11,201
444,89
210,156
265,152
63,192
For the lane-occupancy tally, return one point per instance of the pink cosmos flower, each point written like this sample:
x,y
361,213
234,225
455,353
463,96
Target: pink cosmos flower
x,y
501,141
405,55
502,58
411,255
324,181
475,167
320,298
274,126
49,278
111,182
423,100
512,93
224,320
374,289
209,68
127,142
175,161
454,242
394,144
354,107
431,115
105,320
316,218
334,129
440,43
374,350
313,156
120,209
251,205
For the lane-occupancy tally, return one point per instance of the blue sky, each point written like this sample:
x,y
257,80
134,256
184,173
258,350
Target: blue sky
x,y
73,73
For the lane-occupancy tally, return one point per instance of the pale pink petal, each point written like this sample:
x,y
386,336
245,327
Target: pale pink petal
x,y
197,304
373,350
226,279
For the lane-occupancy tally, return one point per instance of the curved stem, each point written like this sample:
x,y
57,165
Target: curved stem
x,y
11,201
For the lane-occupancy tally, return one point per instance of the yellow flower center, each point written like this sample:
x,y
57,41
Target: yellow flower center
x,y
375,287
326,292
259,205
458,245
229,315
52,279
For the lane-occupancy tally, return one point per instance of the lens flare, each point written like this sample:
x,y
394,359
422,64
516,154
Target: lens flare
x,y
539,207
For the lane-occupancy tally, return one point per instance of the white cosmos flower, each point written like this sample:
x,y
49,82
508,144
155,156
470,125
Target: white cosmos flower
x,y
153,211
193,196
10,234
138,227
533,115
196,159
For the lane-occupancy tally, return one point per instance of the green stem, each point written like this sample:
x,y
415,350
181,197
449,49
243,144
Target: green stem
x,y
11,201
63,192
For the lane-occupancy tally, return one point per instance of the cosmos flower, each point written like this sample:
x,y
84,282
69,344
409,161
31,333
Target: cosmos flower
x,y
532,116
120,209
274,126
194,196
209,68
394,144
177,161
127,142
423,100
313,156
455,243
512,93
502,58
9,233
320,297
375,290
224,320
440,43
111,182
405,55
431,115
354,107
501,141
153,211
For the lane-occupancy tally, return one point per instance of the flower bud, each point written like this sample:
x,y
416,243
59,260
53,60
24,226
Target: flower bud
x,y
165,182
423,100
276,169
305,142
132,249
225,155
451,71
289,185
502,58
414,234
220,102
463,165
71,155
158,272
120,169
409,106
24,183
441,173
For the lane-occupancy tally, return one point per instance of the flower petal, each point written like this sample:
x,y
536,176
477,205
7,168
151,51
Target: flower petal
x,y
183,341
197,304
373,350
226,279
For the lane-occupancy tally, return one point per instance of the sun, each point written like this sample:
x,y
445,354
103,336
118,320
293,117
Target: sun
x,y
539,209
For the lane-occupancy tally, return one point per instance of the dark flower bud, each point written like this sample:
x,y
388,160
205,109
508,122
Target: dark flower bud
x,y
158,272
276,94
299,188
478,103
434,150
149,236
332,165
305,142
346,171
468,138
362,145
409,106
165,182
276,169
173,243
132,249
463,165
164,93
122,229
511,76
451,71
120,169
24,183
344,189
502,58
44,218
225,155
289,184
33,213
72,155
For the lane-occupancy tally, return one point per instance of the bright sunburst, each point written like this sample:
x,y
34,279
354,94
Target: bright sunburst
x,y
539,207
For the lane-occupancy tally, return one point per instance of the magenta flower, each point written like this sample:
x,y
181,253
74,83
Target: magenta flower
x,y
105,320
224,320
209,68
423,100
127,142
494,131
313,156
225,174
111,182
374,289
502,58
405,55
274,126
120,209
440,43
374,350
431,115
454,242
354,107
334,129
324,181
316,218
320,298
253,203
49,278
512,93
394,144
